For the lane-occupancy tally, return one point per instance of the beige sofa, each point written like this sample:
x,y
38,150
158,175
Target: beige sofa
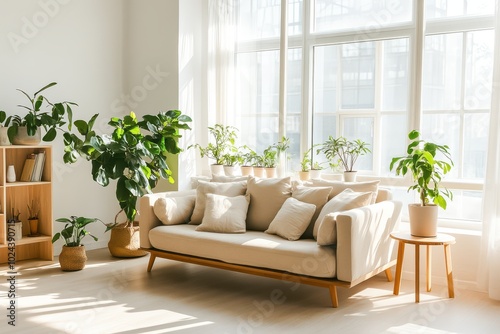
x,y
324,233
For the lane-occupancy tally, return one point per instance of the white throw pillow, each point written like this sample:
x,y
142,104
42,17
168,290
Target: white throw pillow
x,y
224,214
339,186
266,198
346,200
226,188
174,210
312,195
327,231
292,219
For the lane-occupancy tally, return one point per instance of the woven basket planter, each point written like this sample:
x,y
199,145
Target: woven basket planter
x,y
125,242
72,258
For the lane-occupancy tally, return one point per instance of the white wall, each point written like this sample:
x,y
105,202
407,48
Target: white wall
x,y
78,44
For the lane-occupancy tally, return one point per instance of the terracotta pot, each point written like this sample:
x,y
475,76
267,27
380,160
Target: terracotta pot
x,y
33,226
423,220
304,176
246,170
271,172
259,172
125,242
72,258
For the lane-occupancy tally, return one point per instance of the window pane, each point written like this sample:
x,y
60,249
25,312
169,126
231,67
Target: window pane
x,y
435,9
325,78
364,16
395,74
393,132
478,69
358,75
442,72
295,9
258,19
361,128
294,108
444,129
475,145
466,205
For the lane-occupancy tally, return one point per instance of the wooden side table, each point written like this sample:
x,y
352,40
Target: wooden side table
x,y
441,239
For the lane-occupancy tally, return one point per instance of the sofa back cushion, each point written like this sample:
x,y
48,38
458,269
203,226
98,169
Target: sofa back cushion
x,y
174,210
219,188
224,214
266,198
339,186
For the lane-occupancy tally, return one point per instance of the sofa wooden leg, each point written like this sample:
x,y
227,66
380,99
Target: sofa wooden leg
x,y
388,274
333,296
152,258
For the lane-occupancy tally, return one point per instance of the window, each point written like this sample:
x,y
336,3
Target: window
x,y
351,72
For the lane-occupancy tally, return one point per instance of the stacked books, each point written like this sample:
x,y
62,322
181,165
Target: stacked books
x,y
33,167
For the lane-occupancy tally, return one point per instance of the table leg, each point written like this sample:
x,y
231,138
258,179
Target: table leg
x,y
428,268
449,271
417,273
399,266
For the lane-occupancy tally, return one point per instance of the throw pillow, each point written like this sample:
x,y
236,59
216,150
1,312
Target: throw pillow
x,y
220,188
312,195
174,210
346,200
339,186
224,214
266,198
327,231
292,219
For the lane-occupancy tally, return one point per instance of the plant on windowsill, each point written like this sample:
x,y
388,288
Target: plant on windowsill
x,y
25,130
427,172
135,155
344,152
73,255
248,158
270,157
224,138
307,167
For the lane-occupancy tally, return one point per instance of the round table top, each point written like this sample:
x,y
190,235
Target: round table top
x,y
439,239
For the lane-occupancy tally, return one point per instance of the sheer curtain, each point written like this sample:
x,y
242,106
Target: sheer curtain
x,y
489,276
220,62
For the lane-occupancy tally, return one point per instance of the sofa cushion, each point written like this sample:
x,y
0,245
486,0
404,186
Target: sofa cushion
x,y
224,214
226,178
327,230
292,219
313,195
339,186
252,248
266,198
174,210
346,200
219,188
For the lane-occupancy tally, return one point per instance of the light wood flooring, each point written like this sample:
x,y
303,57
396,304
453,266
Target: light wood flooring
x,y
118,296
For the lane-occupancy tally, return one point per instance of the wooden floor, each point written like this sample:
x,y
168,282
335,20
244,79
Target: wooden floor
x,y
118,296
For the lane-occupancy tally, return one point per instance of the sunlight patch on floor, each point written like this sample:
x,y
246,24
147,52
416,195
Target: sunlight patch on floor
x,y
415,329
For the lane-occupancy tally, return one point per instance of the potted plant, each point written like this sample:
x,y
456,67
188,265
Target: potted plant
x,y
345,152
315,172
134,155
224,140
73,256
33,211
271,156
4,127
25,130
427,172
248,157
308,169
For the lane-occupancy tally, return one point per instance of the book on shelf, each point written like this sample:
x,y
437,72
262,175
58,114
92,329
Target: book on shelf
x,y
36,176
29,166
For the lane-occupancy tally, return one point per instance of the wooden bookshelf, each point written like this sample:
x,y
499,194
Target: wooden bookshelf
x,y
17,195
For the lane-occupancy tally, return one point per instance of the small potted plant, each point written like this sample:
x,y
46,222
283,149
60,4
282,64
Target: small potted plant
x,y
248,157
25,130
305,166
345,152
73,256
4,127
427,172
272,154
33,211
224,138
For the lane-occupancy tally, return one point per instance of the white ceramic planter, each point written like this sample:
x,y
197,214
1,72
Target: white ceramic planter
x,y
350,176
259,172
217,169
423,220
230,170
315,174
271,172
246,170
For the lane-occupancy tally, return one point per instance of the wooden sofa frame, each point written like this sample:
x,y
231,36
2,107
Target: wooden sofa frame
x,y
330,283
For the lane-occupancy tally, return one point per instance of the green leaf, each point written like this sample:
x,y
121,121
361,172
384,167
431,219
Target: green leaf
x,y
50,135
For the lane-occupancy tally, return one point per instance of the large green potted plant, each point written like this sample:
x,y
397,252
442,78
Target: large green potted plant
x,y
135,155
224,139
73,256
25,130
427,171
344,152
